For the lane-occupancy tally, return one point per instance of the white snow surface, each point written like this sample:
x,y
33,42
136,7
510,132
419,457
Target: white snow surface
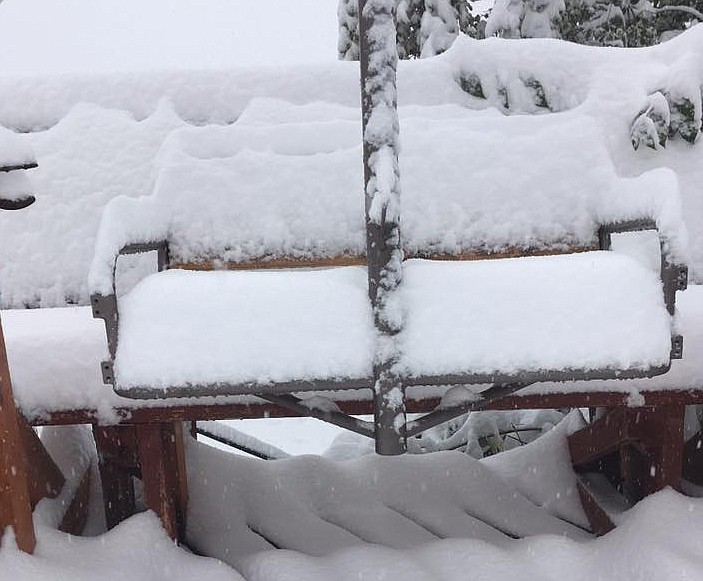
x,y
138,549
14,150
99,135
581,311
237,503
253,326
657,540
379,518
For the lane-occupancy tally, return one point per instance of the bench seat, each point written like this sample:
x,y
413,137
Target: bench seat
x,y
533,314
271,331
181,328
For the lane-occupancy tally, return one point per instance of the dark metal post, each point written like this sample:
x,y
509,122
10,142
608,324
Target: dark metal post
x,y
378,59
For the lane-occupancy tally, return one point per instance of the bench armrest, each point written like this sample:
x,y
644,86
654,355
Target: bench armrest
x,y
674,275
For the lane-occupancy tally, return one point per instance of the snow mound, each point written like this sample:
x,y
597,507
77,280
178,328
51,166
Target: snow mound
x,y
237,505
136,549
659,539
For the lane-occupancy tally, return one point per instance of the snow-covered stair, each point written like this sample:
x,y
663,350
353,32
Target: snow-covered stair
x,y
240,506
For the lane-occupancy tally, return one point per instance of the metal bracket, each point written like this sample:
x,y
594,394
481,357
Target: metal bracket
x,y
108,371
676,347
105,308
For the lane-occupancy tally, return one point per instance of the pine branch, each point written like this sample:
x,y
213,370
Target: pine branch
x,y
687,9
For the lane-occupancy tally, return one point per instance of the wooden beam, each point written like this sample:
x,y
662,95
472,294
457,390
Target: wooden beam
x,y
190,410
273,263
600,438
599,520
648,444
76,515
162,460
15,494
45,478
350,259
660,429
118,463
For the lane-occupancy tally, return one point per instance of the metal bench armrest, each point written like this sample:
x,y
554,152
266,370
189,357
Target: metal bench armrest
x,y
674,276
105,306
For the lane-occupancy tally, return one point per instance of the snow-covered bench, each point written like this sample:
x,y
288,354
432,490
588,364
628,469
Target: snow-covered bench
x,y
278,208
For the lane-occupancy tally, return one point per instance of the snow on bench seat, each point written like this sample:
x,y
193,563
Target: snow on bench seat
x,y
583,311
55,359
179,328
498,317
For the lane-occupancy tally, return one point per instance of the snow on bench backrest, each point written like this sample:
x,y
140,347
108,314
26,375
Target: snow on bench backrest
x,y
254,191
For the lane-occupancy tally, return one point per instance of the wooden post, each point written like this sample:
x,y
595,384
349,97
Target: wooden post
x,y
118,462
647,443
162,461
378,59
15,496
663,440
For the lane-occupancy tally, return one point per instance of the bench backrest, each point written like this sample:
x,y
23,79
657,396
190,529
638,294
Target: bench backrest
x,y
277,194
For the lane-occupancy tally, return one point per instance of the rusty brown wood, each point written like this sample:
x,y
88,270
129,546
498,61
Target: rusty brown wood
x,y
76,515
648,443
272,263
163,474
661,431
599,438
118,463
192,411
15,495
45,478
287,262
601,523
628,474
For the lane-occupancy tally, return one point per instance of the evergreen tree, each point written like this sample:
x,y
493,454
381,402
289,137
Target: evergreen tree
x,y
676,15
424,27
609,23
525,19
594,22
438,28
409,17
348,41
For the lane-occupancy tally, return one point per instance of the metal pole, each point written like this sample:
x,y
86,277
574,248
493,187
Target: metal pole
x,y
378,60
